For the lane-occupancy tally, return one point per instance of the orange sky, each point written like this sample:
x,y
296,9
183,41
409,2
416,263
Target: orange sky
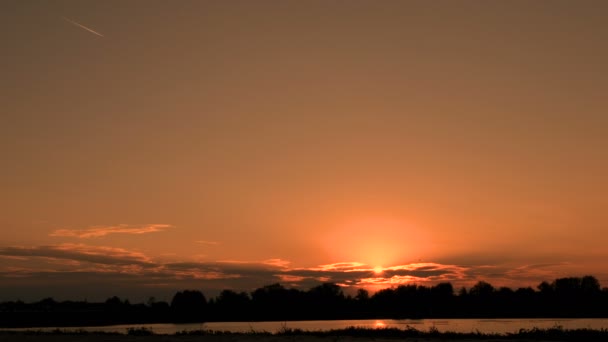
x,y
163,145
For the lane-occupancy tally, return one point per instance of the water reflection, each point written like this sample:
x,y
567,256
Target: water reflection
x,y
499,326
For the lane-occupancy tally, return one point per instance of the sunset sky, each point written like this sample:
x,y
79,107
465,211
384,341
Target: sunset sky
x,y
154,146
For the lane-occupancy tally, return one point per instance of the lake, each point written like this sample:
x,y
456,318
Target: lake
x,y
500,326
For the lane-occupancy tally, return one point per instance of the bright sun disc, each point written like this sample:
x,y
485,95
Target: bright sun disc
x,y
378,269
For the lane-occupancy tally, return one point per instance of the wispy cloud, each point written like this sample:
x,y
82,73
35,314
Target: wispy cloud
x,y
280,263
276,262
341,267
290,278
83,27
101,255
359,274
99,231
207,242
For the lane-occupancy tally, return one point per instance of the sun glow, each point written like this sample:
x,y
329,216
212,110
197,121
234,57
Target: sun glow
x,y
380,325
374,241
378,270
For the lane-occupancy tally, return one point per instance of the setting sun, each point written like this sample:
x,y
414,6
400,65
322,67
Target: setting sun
x,y
380,324
378,270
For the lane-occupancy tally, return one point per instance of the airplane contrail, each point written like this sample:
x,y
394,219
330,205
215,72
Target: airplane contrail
x,y
83,27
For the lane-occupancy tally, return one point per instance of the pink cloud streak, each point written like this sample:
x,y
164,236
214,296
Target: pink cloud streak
x,y
100,231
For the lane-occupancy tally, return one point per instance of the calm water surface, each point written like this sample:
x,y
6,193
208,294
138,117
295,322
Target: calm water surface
x,y
500,326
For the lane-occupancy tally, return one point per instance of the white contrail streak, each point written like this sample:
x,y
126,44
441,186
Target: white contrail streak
x,y
83,27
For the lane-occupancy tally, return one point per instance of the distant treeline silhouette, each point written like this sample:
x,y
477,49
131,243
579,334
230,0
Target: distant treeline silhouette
x,y
564,297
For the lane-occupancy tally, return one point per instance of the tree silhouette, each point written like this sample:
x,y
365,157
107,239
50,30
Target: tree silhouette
x,y
362,295
563,297
232,305
590,285
326,299
188,306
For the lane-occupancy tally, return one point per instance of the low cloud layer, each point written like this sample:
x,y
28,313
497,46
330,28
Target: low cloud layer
x,y
76,264
100,231
80,253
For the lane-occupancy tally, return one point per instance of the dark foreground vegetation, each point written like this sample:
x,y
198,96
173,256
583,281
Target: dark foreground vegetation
x,y
552,334
565,297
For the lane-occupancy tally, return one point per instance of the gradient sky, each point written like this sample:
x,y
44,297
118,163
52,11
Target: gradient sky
x,y
152,146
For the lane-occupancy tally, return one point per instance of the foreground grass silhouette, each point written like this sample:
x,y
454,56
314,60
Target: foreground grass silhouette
x,y
297,335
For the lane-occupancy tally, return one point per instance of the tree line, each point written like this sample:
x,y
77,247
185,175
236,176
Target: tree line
x,y
563,297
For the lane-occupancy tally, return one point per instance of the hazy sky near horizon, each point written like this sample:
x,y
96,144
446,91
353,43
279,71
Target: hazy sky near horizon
x,y
151,146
